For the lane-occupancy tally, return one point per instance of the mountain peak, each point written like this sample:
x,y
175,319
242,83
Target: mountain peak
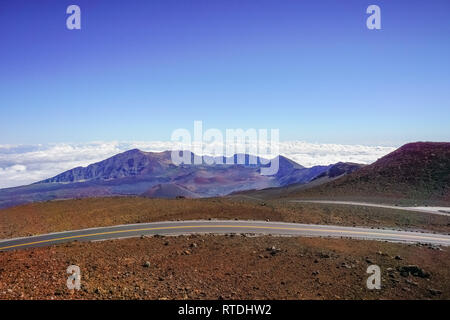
x,y
132,151
132,162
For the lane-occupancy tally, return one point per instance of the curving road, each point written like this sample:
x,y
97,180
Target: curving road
x,y
444,211
222,227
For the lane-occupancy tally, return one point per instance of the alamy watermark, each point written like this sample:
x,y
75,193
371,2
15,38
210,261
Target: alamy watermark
x,y
374,280
73,21
74,279
236,146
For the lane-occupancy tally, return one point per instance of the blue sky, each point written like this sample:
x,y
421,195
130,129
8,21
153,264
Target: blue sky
x,y
137,70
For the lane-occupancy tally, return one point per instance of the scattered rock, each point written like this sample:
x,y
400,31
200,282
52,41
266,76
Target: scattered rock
x,y
146,264
345,265
273,250
412,282
414,270
435,292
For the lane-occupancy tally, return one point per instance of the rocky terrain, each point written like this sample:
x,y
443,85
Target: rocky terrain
x,y
226,267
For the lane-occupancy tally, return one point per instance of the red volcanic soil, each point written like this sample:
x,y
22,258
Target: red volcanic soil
x,y
226,267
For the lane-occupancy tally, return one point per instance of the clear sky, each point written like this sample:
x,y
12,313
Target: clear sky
x,y
137,70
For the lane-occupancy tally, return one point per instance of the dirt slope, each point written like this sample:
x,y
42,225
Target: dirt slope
x,y
415,173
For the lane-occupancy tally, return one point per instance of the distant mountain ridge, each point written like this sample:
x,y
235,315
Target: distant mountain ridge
x,y
136,172
130,163
339,169
321,176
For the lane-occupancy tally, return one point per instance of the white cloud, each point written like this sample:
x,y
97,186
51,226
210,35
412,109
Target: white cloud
x,y
311,154
24,164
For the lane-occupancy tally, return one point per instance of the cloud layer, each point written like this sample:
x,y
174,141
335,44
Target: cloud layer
x,y
24,164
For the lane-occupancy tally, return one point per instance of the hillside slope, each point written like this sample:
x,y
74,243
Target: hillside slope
x,y
416,172
169,191
329,173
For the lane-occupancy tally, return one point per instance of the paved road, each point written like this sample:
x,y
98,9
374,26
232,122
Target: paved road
x,y
445,211
222,227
